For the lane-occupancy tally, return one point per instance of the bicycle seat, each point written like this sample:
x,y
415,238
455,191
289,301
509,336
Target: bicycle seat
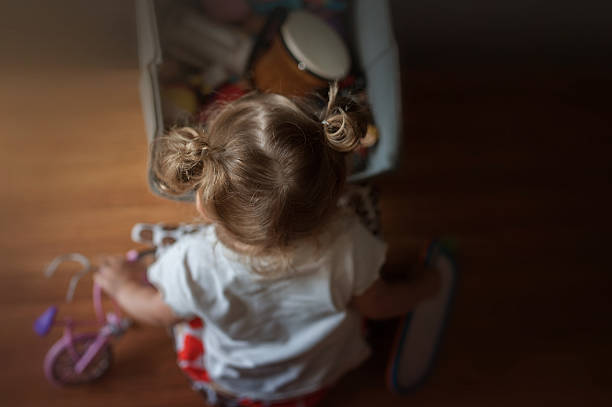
x,y
45,321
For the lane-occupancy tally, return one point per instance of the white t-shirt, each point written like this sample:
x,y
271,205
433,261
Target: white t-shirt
x,y
274,337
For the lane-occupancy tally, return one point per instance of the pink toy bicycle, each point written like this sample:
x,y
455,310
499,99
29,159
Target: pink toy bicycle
x,y
78,358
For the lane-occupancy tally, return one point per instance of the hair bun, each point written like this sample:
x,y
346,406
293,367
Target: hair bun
x,y
179,156
344,121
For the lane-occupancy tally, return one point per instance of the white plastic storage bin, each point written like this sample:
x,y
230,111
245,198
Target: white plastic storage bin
x,y
377,53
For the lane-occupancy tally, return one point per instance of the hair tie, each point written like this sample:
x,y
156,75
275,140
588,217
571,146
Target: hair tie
x,y
325,122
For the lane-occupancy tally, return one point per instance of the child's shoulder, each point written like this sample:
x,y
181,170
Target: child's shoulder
x,y
344,235
198,239
350,226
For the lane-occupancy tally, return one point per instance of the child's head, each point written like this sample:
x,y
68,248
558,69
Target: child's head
x,y
267,169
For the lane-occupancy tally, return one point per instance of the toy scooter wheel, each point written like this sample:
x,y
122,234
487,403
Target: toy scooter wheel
x,y
61,360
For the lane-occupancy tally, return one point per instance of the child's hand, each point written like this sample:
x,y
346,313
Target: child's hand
x,y
115,272
122,280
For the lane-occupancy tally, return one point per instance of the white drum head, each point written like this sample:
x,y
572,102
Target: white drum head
x,y
315,45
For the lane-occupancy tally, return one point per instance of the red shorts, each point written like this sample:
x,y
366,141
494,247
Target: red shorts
x,y
190,358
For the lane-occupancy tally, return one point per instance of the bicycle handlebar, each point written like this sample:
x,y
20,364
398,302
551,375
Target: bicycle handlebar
x,y
131,256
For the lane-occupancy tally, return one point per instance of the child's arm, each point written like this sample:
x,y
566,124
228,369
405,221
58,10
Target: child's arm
x,y
120,280
387,300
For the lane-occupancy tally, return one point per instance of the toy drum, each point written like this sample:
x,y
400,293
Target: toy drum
x,y
305,55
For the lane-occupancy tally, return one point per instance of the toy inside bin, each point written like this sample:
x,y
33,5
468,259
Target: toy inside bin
x,y
163,52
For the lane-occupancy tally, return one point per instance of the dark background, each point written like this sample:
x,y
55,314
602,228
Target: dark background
x,y
506,149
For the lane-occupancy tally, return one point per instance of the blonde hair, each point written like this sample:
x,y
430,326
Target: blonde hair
x,y
268,169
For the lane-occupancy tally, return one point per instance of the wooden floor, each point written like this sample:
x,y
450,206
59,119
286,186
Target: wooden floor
x,y
516,167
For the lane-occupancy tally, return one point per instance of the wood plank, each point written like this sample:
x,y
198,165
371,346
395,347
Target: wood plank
x,y
515,167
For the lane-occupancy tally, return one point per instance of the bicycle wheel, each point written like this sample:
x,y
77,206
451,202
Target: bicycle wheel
x,y
60,361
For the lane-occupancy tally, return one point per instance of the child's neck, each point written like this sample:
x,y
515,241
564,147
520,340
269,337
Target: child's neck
x,y
247,250
233,244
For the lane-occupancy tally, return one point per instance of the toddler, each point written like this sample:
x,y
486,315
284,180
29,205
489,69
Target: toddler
x,y
273,288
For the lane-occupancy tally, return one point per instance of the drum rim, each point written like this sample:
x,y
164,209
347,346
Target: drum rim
x,y
298,62
305,67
